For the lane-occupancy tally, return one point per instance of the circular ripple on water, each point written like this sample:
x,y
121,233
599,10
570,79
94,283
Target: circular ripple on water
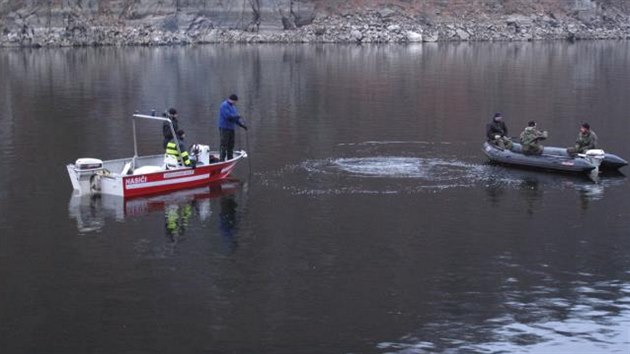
x,y
432,169
404,175
380,174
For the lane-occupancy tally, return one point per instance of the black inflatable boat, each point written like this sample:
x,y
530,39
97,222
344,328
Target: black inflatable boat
x,y
554,158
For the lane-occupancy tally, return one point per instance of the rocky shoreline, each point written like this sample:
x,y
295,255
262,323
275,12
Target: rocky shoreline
x,y
384,26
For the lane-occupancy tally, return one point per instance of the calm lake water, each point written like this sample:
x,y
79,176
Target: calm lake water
x,y
366,220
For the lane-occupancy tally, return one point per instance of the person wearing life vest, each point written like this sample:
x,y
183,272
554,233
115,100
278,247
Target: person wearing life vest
x,y
171,149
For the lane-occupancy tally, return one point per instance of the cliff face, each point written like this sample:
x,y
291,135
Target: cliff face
x,y
157,22
225,14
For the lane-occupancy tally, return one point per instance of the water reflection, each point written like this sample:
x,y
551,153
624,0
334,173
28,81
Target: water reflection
x,y
372,201
532,185
531,193
176,217
92,213
526,307
228,220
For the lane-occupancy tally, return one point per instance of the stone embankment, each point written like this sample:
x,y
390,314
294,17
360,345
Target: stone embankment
x,y
371,26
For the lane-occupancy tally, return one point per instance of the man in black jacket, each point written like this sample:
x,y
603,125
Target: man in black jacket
x,y
496,132
166,128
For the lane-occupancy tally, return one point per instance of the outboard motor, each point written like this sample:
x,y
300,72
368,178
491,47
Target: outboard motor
x,y
595,156
85,174
200,153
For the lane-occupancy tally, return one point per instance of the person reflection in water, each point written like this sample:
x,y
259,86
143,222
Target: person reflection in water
x,y
227,223
495,192
532,194
176,220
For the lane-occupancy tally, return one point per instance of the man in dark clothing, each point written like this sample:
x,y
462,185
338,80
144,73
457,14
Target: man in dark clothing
x,y
586,140
166,128
496,132
228,119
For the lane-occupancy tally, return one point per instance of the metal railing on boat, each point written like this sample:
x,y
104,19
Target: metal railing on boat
x,y
153,118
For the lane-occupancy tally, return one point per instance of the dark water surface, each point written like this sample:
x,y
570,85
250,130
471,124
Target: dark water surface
x,y
370,222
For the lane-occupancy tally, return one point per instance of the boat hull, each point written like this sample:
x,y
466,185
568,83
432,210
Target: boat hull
x,y
164,181
547,161
117,178
610,162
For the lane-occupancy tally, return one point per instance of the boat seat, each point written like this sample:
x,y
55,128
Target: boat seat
x,y
170,162
147,169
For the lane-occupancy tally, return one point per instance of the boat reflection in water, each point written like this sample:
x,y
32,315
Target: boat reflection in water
x,y
92,212
532,186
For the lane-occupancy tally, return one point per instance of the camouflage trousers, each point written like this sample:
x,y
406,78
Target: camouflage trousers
x,y
503,142
574,150
533,149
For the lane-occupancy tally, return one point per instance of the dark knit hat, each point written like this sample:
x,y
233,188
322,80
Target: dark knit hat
x,y
497,115
531,123
172,111
586,126
233,97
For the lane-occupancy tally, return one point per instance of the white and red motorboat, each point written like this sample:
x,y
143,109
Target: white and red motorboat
x,y
144,175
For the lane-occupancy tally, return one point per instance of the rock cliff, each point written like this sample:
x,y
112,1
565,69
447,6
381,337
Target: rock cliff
x,y
163,22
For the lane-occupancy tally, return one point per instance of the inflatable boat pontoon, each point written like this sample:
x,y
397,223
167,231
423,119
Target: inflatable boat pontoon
x,y
554,158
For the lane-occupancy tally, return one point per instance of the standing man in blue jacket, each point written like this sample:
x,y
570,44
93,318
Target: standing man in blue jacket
x,y
228,118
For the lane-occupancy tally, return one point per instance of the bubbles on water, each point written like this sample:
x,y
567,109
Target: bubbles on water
x,y
395,167
395,142
430,169
374,175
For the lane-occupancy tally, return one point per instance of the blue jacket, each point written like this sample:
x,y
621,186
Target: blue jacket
x,y
228,116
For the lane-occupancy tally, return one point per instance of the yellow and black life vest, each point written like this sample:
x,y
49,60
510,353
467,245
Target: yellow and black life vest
x,y
171,149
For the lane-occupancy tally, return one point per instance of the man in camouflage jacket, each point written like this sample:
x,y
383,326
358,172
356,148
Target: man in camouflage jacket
x,y
586,140
530,139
